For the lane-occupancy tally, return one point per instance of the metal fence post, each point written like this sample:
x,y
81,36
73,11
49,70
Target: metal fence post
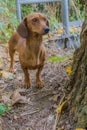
x,y
18,10
65,16
19,2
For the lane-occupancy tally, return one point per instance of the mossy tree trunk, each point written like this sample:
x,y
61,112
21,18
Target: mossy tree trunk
x,y
77,85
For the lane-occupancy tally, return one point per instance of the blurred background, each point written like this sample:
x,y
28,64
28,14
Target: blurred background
x,y
9,21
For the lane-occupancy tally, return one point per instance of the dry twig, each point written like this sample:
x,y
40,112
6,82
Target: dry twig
x,y
58,115
30,113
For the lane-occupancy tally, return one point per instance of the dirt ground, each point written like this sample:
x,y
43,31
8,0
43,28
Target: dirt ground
x,y
38,113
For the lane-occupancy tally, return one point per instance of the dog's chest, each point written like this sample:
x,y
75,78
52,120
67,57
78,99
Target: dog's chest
x,y
31,59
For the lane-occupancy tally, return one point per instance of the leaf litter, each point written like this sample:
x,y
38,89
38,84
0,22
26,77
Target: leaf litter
x,y
34,109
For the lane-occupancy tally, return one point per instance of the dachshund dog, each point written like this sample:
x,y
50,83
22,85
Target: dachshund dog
x,y
27,41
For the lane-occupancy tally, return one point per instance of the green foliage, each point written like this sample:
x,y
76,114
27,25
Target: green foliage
x,y
26,9
41,7
76,10
56,58
8,20
8,106
4,108
53,20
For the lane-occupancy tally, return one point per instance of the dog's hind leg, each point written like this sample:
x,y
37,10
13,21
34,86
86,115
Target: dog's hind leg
x,y
11,53
13,41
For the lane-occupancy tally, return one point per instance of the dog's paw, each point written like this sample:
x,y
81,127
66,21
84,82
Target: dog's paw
x,y
11,69
27,85
40,84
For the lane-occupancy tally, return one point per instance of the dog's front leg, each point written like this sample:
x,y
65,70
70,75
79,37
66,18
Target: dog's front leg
x,y
39,82
27,78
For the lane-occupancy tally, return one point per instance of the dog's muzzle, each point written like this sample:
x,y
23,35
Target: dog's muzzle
x,y
46,29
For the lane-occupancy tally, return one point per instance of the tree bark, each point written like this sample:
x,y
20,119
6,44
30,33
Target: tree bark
x,y
76,87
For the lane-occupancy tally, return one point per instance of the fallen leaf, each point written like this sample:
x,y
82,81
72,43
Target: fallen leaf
x,y
68,69
6,99
72,29
4,45
8,59
60,107
7,75
15,117
55,98
59,30
17,98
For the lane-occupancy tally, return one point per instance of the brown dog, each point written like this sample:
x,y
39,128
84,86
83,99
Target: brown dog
x,y
28,42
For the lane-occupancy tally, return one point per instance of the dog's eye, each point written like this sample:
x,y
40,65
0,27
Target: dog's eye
x,y
45,19
34,19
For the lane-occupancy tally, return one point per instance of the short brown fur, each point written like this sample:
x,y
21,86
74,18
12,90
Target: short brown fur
x,y
27,40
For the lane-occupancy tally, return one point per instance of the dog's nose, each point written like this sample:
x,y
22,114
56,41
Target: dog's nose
x,y
46,29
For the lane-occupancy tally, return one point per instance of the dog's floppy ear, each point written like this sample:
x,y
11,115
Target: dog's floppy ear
x,y
47,23
22,28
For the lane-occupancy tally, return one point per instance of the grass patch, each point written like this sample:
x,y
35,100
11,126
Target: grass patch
x,y
56,58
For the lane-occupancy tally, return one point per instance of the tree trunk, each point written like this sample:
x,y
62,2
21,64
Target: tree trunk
x,y
76,87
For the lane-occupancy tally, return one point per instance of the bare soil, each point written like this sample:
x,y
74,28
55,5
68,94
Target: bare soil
x,y
39,112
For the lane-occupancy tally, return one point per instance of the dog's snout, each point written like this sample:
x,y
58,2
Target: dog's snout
x,y
46,29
